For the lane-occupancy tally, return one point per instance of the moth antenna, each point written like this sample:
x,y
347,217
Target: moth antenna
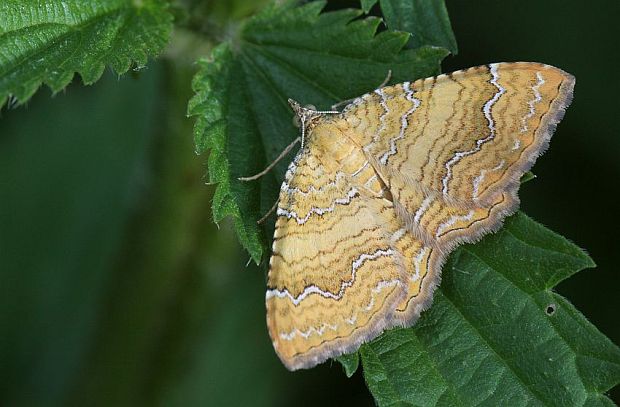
x,y
273,164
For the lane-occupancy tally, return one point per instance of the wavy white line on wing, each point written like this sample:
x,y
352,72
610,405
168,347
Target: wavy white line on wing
x,y
479,143
286,187
423,208
313,289
382,285
478,180
533,102
403,122
453,220
386,111
417,261
353,192
289,336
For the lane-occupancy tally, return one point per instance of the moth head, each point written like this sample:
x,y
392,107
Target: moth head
x,y
306,117
304,114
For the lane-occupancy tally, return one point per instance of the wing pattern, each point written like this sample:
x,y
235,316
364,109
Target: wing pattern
x,y
383,192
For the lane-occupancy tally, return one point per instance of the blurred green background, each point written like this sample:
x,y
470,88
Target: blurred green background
x,y
117,289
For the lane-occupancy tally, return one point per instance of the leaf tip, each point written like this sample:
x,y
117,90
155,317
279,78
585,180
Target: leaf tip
x,y
350,363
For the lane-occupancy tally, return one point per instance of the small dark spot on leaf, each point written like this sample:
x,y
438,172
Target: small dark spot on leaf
x,y
550,310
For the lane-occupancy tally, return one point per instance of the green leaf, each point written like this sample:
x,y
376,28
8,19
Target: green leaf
x,y
367,5
243,117
426,20
496,333
527,177
349,362
47,42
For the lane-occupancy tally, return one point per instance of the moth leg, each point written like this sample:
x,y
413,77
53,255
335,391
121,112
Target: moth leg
x,y
386,80
265,216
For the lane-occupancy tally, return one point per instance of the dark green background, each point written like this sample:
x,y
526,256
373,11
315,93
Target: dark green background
x,y
115,287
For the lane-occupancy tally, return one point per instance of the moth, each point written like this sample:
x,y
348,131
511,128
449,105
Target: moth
x,y
380,193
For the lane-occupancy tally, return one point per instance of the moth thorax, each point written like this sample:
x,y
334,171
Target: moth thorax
x,y
332,142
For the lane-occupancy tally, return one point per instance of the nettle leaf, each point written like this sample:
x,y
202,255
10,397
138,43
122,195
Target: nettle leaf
x,y
367,4
243,117
349,362
426,20
48,42
497,334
